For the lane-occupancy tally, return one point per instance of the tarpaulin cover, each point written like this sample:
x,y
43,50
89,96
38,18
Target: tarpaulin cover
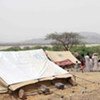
x,y
20,66
58,56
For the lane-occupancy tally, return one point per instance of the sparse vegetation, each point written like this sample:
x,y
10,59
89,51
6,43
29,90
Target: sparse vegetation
x,y
84,50
81,49
17,48
66,39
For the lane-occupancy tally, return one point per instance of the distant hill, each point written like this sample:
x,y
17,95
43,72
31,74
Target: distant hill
x,y
37,41
89,37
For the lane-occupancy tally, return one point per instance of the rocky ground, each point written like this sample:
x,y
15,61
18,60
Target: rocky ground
x,y
88,88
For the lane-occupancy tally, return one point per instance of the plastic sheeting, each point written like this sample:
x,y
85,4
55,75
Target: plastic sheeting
x,y
21,66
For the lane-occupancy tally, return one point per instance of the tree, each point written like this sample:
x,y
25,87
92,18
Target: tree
x,y
66,39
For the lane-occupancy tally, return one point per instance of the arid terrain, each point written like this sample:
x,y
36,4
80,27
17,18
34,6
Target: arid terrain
x,y
87,89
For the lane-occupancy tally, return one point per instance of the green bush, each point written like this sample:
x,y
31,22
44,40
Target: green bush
x,y
12,49
84,50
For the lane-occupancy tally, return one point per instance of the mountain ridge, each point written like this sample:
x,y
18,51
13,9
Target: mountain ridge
x,y
88,37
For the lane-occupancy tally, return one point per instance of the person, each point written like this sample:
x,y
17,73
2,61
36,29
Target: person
x,y
99,64
91,64
95,62
82,63
87,62
77,66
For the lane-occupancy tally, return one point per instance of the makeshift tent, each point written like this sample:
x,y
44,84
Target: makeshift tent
x,y
62,58
20,68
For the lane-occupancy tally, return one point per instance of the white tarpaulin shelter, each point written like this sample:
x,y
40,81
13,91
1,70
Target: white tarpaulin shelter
x,y
25,67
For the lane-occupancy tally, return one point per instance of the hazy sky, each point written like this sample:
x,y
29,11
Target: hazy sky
x,y
27,19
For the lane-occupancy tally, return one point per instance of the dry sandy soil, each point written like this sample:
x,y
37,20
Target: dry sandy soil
x,y
85,90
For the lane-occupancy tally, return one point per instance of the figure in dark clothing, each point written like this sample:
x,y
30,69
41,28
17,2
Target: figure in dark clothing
x,y
82,60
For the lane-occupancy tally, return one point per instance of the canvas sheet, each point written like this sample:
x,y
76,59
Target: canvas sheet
x,y
16,67
57,56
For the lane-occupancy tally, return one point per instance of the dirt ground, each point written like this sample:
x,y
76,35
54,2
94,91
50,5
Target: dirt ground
x,y
88,88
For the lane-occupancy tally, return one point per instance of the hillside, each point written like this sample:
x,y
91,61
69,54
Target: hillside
x,y
89,38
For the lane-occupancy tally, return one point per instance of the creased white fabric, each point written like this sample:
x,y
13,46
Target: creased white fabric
x,y
26,65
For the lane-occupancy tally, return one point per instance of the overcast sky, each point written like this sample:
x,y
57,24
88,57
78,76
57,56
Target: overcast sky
x,y
26,19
